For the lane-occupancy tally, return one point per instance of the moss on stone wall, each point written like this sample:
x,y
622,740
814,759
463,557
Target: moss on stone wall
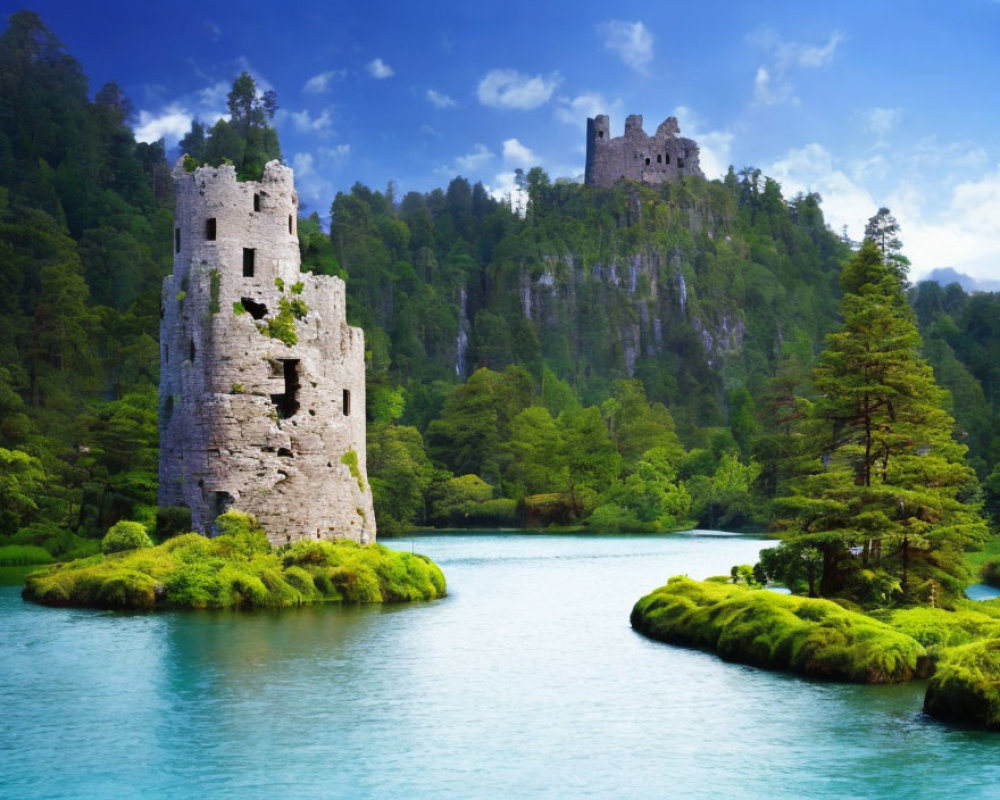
x,y
351,459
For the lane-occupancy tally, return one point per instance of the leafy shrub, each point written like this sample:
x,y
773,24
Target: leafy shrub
x,y
16,555
812,637
966,685
124,536
239,534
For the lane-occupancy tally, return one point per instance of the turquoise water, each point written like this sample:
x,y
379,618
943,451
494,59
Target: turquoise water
x,y
525,682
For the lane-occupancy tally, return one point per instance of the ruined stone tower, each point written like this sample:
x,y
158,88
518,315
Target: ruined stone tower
x,y
262,381
636,155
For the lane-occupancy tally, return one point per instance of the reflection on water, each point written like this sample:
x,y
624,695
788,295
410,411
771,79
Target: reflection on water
x,y
525,681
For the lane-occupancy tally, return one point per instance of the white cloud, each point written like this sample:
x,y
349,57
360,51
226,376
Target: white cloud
x,y
305,123
882,120
630,41
508,88
960,235
505,189
771,82
439,99
475,160
714,146
577,110
171,124
517,155
318,84
944,222
812,169
378,69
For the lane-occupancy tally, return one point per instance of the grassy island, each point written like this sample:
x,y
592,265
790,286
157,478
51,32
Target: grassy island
x,y
239,570
959,649
813,637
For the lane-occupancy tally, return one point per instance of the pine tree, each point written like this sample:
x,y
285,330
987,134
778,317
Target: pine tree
x,y
885,500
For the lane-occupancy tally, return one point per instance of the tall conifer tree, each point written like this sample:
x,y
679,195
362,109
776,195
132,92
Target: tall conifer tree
x,y
882,511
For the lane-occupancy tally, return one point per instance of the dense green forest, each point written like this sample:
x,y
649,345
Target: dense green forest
x,y
631,358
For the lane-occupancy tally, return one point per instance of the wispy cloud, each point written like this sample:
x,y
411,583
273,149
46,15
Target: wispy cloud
x,y
304,122
882,120
439,99
813,169
772,85
714,146
630,41
318,84
212,30
336,154
379,70
476,160
508,88
576,110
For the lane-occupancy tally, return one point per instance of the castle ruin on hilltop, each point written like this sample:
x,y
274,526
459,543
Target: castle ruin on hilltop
x,y
262,381
637,156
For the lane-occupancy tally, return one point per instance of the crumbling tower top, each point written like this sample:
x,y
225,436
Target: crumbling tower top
x,y
636,156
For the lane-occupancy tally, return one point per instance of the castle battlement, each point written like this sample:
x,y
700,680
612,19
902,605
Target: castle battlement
x,y
636,156
248,421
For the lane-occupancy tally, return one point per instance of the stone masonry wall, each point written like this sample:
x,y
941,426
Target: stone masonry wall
x,y
636,155
247,422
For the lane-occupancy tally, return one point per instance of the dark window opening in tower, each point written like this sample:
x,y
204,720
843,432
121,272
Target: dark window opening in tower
x,y
210,229
253,308
600,134
168,408
291,229
191,350
166,352
647,161
668,158
177,240
223,501
256,202
347,402
288,403
680,163
659,158
248,261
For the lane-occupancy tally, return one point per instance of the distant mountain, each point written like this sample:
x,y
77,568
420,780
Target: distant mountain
x,y
945,275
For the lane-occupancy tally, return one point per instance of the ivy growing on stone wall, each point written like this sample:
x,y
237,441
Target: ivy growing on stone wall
x,y
215,285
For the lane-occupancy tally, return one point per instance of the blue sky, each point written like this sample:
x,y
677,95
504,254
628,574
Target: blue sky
x,y
869,103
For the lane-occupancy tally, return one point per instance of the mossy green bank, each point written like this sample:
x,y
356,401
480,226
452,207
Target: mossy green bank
x,y
813,637
958,649
237,571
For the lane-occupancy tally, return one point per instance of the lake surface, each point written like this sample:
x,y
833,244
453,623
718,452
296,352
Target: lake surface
x,y
527,681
